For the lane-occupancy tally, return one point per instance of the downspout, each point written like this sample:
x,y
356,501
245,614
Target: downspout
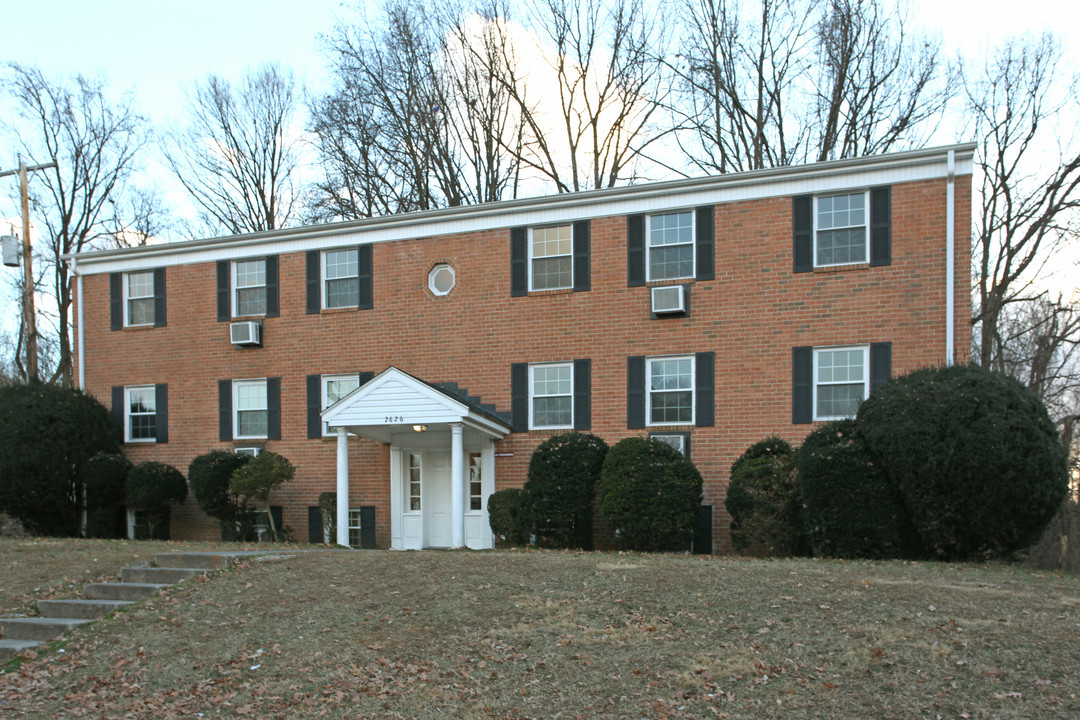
x,y
79,343
950,260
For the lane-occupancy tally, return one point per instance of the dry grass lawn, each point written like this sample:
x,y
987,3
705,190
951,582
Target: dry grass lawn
x,y
568,635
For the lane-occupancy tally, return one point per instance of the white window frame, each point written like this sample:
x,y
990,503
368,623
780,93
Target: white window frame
x,y
435,270
866,377
479,468
354,525
666,437
128,297
570,255
251,451
649,247
237,384
410,465
649,392
128,414
866,228
325,401
236,287
532,395
325,278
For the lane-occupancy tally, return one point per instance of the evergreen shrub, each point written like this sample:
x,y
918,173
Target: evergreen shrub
x,y
556,502
151,487
650,495
209,475
763,500
104,479
974,455
503,516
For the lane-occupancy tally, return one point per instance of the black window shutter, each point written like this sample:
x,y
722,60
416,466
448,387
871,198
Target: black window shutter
x,y
366,377
224,410
802,222
802,391
273,408
582,280
314,406
635,392
519,262
272,305
519,397
881,226
880,364
705,243
583,394
314,294
116,301
161,402
159,297
314,525
224,307
635,250
367,527
366,277
705,389
118,409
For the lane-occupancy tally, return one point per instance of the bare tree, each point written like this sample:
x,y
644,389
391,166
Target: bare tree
x,y
94,144
239,155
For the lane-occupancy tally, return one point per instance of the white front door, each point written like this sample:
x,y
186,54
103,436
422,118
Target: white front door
x,y
436,490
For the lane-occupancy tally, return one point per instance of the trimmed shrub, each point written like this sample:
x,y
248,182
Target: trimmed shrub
x,y
104,478
47,433
974,455
763,501
650,495
258,478
557,501
151,488
503,516
209,475
850,510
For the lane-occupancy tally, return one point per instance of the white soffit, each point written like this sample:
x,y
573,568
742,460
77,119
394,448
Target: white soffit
x,y
776,182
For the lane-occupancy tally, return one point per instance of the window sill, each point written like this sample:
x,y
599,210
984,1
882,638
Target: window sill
x,y
242,318
137,328
553,291
670,281
842,268
339,310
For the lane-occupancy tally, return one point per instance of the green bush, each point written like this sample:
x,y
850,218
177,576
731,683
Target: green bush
x,y
47,433
258,478
104,479
763,501
974,455
850,509
557,501
650,495
503,516
209,475
151,487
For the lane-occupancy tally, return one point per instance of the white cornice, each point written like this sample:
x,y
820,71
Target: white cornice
x,y
830,176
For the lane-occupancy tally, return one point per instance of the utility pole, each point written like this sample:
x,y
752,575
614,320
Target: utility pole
x,y
29,314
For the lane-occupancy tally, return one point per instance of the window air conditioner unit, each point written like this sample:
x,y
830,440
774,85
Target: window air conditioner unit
x,y
676,441
669,300
246,333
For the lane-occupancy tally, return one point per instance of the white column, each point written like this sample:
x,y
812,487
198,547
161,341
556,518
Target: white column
x,y
457,487
342,487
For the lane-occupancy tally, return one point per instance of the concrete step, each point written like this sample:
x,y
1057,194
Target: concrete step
x,y
165,576
81,609
122,591
11,648
203,560
36,628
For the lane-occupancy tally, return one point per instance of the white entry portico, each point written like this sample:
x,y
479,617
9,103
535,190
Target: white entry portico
x,y
442,459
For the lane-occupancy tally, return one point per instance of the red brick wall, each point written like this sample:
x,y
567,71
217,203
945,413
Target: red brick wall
x,y
751,316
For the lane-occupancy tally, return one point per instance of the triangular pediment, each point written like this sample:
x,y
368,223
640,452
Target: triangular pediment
x,y
394,397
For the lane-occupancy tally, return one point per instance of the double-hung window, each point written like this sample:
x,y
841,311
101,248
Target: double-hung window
x,y
250,417
840,224
139,298
335,387
476,484
670,395
249,287
841,381
140,404
671,246
551,263
341,278
551,396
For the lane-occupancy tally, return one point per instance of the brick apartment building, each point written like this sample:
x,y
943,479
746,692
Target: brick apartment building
x,y
412,363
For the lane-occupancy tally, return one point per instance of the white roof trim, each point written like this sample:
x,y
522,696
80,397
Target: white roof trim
x,y
830,176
